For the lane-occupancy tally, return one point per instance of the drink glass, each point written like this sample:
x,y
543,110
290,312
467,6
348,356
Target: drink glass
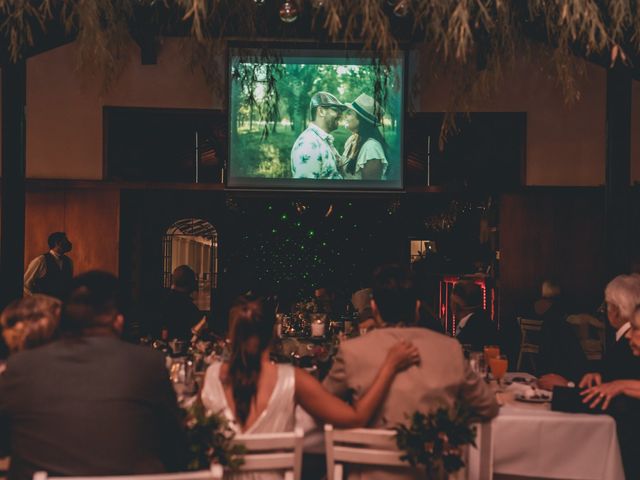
x,y
348,327
490,351
498,366
478,364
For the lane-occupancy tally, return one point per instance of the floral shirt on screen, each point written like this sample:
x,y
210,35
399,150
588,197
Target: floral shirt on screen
x,y
314,156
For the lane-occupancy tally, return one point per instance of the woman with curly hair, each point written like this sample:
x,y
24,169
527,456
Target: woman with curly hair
x,y
30,322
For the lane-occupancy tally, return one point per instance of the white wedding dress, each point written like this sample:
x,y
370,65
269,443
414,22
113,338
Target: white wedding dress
x,y
278,417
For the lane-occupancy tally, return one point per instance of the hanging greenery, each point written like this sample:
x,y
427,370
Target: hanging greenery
x,y
471,41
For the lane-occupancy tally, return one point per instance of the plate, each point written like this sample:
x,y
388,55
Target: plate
x,y
535,399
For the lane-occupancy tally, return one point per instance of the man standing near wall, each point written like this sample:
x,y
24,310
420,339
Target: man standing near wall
x,y
51,272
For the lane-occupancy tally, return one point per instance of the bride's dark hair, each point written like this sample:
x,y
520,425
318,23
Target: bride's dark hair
x,y
251,331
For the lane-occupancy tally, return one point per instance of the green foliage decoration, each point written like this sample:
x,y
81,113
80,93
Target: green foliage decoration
x,y
210,439
436,440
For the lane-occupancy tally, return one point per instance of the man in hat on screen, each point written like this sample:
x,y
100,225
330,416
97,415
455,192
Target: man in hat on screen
x,y
313,154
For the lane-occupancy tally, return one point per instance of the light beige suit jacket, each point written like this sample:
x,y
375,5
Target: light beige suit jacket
x,y
442,378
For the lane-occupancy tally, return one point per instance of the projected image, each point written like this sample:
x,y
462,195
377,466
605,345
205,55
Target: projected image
x,y
328,128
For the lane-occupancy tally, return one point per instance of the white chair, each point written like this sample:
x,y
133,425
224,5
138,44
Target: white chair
x,y
480,459
367,446
215,473
364,446
273,451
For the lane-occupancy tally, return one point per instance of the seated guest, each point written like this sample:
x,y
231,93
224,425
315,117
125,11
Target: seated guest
x,y
442,378
473,325
243,385
561,357
327,299
603,393
633,335
89,403
621,295
427,290
258,396
617,387
30,321
177,313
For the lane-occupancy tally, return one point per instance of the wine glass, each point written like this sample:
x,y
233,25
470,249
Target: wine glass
x,y
478,363
498,366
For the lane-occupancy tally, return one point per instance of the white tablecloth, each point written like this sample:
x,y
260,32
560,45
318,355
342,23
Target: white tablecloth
x,y
539,443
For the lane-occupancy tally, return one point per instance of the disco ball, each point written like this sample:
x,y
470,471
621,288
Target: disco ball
x,y
288,12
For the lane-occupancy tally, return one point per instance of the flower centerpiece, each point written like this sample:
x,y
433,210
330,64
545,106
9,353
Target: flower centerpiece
x,y
301,314
436,440
210,439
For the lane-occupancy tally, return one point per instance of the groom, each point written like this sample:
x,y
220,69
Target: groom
x,y
442,378
313,154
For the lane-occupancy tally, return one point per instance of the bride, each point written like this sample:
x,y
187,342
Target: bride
x,y
258,396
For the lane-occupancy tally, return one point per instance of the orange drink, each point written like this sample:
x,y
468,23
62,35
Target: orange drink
x,y
490,351
498,366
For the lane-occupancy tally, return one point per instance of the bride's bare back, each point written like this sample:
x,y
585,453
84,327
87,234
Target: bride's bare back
x,y
264,389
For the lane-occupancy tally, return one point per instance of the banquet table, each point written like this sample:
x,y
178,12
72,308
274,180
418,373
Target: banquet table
x,y
532,441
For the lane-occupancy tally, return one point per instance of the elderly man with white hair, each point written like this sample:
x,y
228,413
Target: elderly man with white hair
x,y
621,296
621,371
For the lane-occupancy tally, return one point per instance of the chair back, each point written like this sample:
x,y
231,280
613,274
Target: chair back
x,y
273,451
480,458
368,446
529,340
364,446
215,473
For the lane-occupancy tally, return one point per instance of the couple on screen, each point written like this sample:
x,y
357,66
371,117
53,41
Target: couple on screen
x,y
386,374
364,158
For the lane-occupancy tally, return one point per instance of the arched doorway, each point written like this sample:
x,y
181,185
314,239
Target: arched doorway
x,y
193,242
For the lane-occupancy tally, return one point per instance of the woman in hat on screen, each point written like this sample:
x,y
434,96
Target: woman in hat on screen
x,y
364,156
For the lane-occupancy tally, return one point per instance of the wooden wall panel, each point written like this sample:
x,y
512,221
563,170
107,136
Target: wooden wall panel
x,y
44,214
554,233
91,219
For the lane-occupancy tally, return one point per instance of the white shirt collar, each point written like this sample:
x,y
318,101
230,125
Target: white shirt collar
x,y
622,331
463,321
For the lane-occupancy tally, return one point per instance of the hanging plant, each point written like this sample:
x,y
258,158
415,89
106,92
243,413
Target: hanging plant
x,y
471,41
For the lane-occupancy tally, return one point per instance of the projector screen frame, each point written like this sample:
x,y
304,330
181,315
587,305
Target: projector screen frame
x,y
306,50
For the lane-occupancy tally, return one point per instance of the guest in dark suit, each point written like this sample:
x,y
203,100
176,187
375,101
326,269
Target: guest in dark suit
x,y
88,403
561,359
473,325
178,314
622,295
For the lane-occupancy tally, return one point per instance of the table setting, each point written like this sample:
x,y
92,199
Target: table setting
x,y
530,440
